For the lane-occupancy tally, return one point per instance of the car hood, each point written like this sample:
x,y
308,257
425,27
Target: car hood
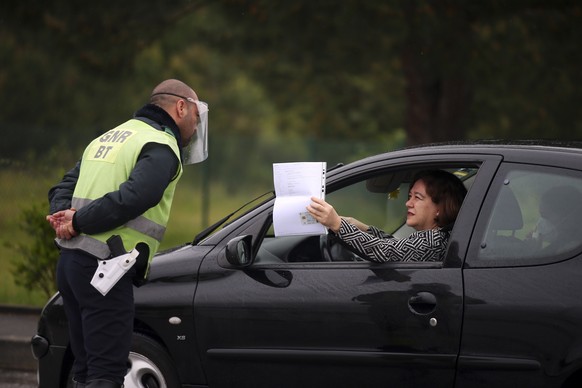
x,y
182,262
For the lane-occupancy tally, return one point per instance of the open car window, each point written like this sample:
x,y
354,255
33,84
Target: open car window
x,y
375,199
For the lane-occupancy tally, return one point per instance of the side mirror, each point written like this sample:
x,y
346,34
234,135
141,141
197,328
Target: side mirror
x,y
238,251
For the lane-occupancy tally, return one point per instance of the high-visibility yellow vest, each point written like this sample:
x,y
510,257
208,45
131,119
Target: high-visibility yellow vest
x,y
107,163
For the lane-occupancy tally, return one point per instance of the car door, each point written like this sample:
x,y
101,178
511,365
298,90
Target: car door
x,y
289,320
522,282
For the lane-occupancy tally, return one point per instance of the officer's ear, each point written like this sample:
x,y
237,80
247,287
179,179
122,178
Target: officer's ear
x,y
181,108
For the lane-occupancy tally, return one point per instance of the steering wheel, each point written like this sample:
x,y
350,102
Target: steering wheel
x,y
334,249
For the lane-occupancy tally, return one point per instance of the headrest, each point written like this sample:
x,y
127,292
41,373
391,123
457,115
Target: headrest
x,y
507,214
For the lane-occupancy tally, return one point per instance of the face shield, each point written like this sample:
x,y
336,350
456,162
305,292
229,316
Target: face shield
x,y
197,150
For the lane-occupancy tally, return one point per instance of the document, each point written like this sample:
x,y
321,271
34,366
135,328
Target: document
x,y
295,184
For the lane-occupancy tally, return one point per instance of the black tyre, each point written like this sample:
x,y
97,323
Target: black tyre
x,y
149,365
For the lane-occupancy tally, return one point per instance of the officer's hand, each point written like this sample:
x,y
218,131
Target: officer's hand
x,y
62,223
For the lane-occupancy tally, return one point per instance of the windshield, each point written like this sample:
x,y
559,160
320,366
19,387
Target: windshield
x,y
244,209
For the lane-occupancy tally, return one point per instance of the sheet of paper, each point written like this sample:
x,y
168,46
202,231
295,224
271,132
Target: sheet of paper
x,y
295,184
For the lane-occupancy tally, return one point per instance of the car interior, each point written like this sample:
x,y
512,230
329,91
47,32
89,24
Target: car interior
x,y
532,219
378,199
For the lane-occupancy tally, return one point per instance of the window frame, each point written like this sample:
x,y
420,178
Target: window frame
x,y
486,164
474,257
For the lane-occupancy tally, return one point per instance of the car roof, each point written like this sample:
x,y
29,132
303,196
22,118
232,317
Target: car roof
x,y
489,145
523,144
503,147
509,150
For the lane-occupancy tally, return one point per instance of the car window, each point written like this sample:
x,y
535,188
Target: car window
x,y
377,200
535,215
385,210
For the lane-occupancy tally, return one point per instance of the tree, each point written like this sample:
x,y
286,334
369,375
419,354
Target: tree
x,y
35,267
103,37
63,61
354,69
435,60
525,65
480,69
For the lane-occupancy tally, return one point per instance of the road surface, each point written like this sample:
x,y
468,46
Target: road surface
x,y
17,366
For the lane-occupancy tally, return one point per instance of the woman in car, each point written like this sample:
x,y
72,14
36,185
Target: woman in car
x,y
434,200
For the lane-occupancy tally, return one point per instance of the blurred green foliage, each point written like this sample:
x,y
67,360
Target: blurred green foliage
x,y
35,267
354,69
294,80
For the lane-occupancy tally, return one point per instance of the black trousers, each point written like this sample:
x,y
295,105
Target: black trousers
x,y
100,327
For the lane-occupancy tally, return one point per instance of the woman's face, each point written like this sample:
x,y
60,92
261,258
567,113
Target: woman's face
x,y
422,211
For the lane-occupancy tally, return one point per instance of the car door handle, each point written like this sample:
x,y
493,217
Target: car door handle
x,y
422,303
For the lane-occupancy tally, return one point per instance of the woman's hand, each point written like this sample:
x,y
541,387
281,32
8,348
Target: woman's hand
x,y
324,213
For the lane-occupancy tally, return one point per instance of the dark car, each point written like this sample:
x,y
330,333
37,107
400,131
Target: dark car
x,y
240,307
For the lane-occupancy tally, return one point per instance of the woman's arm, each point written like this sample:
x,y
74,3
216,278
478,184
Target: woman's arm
x,y
428,245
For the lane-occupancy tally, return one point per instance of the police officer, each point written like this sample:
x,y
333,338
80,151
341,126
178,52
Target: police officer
x,y
122,186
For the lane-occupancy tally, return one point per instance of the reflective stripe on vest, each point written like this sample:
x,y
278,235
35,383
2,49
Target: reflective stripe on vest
x,y
139,224
87,244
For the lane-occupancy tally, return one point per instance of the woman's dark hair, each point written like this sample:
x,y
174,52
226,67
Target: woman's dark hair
x,y
446,191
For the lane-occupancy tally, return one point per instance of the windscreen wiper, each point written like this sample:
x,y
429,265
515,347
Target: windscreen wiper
x,y
206,232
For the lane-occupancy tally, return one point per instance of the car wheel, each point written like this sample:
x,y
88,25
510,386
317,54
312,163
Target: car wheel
x,y
149,365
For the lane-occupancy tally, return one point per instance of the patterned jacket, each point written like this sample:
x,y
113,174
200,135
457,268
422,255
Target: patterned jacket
x,y
425,245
